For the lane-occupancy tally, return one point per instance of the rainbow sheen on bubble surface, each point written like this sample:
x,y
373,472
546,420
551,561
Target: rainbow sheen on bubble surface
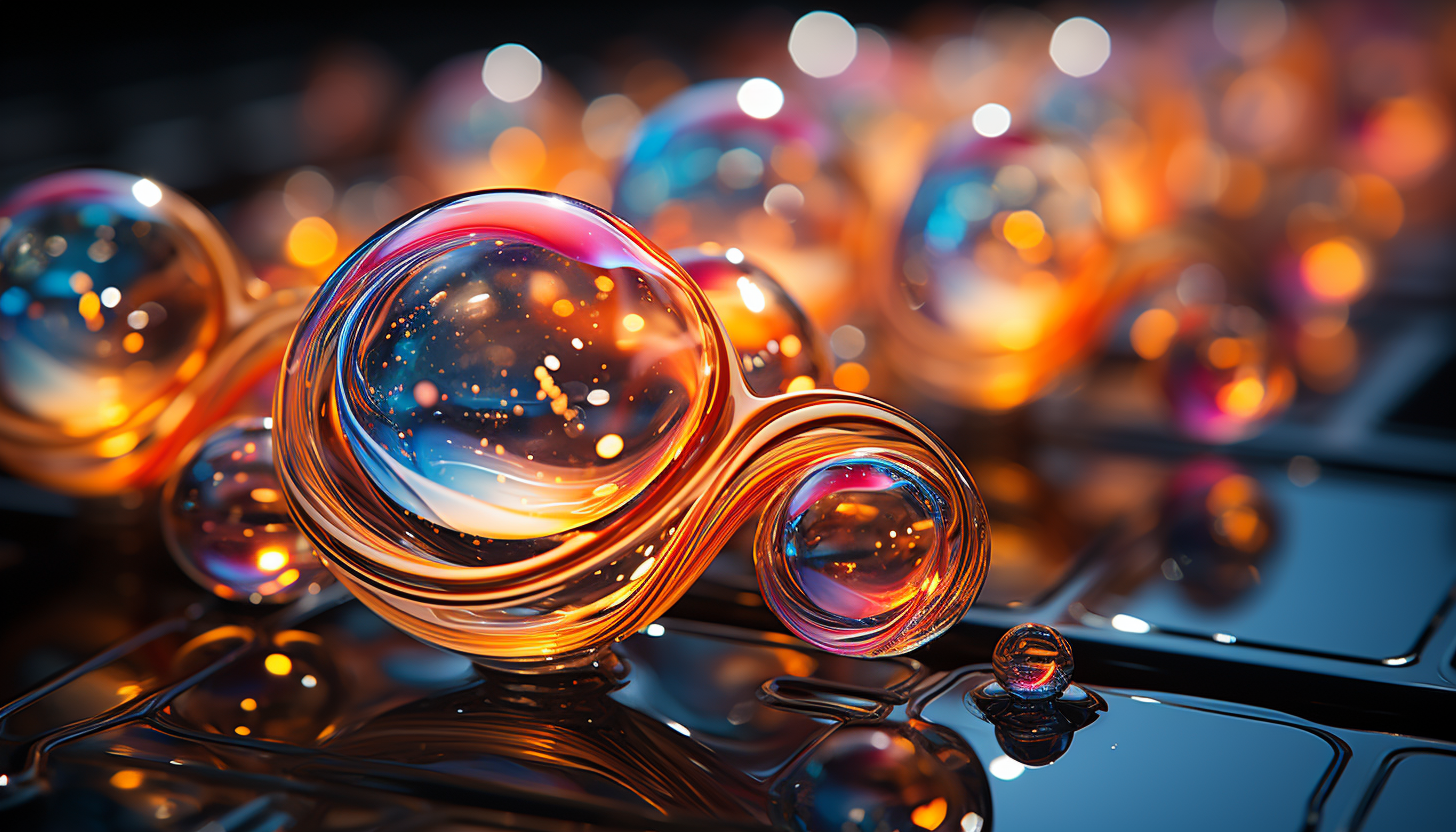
x,y
105,305
1032,661
849,556
861,536
507,390
780,349
227,524
516,429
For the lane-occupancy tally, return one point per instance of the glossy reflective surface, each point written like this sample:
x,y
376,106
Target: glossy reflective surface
x,y
517,429
227,524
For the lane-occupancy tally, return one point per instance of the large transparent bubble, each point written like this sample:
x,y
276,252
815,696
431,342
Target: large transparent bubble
x,y
105,305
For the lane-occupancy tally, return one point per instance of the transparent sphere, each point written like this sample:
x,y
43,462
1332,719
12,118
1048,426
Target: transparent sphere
x,y
1032,661
1225,377
286,690
502,388
856,557
871,778
1003,268
779,348
106,306
702,169
462,136
227,524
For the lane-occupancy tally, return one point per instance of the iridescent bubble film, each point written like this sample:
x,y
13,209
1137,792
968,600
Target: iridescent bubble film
x,y
105,305
227,524
515,428
852,552
1225,375
1032,661
780,349
507,390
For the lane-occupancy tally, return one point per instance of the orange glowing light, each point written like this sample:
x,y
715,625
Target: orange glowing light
x,y
1153,332
1224,353
1405,138
1023,229
242,730
114,446
518,154
563,308
930,815
127,778
1046,676
278,664
790,346
1334,270
311,241
89,305
249,704
633,322
1230,492
1242,398
132,343
272,560
609,446
852,377
799,384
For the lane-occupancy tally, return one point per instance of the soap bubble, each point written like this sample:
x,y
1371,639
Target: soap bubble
x,y
1004,270
780,348
107,303
227,524
1225,376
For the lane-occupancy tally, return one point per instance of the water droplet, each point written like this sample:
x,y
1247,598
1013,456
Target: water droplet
x,y
1032,661
227,524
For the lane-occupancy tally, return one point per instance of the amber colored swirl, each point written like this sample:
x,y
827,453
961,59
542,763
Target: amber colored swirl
x,y
242,343
565,597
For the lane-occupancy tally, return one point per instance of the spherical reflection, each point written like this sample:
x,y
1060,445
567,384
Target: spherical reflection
x,y
850,556
861,537
1003,267
503,388
106,305
1032,661
780,350
879,777
286,690
733,163
1218,528
227,524
1224,376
